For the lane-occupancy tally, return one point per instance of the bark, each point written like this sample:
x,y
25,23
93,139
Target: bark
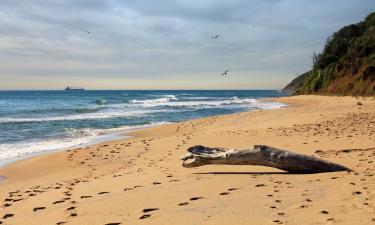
x,y
260,155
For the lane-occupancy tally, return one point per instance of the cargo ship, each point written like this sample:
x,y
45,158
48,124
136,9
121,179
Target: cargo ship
x,y
72,88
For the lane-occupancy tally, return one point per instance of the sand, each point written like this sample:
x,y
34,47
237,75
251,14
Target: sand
x,y
141,181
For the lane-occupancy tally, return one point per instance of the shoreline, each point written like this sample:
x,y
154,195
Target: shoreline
x,y
109,136
105,138
141,180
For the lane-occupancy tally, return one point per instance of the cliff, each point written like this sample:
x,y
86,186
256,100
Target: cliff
x,y
346,66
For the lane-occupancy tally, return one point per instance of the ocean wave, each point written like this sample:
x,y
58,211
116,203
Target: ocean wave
x,y
172,97
100,102
58,110
74,138
166,102
270,105
26,127
165,99
200,98
87,110
87,116
185,94
233,101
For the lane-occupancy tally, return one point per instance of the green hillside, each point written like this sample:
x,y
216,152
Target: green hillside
x,y
346,66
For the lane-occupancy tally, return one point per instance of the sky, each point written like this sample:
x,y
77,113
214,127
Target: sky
x,y
144,44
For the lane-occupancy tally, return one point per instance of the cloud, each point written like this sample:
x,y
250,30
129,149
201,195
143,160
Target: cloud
x,y
166,40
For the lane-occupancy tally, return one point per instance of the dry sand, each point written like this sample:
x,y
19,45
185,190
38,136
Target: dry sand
x,y
140,180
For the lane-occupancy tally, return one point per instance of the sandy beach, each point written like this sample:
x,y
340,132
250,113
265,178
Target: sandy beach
x,y
141,181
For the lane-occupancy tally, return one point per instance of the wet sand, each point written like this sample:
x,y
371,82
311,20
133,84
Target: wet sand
x,y
141,181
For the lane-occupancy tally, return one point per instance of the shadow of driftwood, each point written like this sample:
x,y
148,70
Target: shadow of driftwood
x,y
244,173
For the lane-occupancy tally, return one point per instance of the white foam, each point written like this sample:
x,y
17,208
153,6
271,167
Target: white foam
x,y
200,98
210,102
234,98
157,101
151,101
167,102
75,138
171,97
86,116
185,94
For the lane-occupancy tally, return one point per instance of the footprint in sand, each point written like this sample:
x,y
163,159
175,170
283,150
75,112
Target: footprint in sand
x,y
6,216
224,193
195,198
149,210
232,189
6,205
183,203
38,208
85,196
144,216
112,224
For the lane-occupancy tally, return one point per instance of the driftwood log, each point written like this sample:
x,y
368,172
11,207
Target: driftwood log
x,y
260,155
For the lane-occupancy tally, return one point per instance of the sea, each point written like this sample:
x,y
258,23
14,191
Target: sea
x,y
33,122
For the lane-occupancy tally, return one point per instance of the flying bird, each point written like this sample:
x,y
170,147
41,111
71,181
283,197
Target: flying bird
x,y
215,36
88,32
225,73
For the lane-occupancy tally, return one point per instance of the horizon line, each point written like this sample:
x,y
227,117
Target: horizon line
x,y
142,90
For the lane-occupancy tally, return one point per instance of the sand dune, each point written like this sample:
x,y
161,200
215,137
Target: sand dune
x,y
140,180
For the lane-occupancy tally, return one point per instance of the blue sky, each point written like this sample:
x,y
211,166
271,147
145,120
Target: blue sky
x,y
143,44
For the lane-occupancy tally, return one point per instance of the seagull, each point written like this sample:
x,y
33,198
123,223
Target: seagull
x,y
215,36
88,32
225,73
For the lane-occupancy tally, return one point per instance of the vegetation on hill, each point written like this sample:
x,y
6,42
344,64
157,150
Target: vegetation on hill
x,y
296,83
346,66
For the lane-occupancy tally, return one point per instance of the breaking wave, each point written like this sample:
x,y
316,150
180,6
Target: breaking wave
x,y
73,138
87,116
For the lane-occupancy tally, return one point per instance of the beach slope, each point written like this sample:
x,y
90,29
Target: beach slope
x,y
141,180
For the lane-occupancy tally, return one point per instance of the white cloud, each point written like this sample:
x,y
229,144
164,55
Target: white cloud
x,y
167,40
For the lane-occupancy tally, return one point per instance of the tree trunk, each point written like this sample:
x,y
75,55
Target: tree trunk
x,y
261,155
